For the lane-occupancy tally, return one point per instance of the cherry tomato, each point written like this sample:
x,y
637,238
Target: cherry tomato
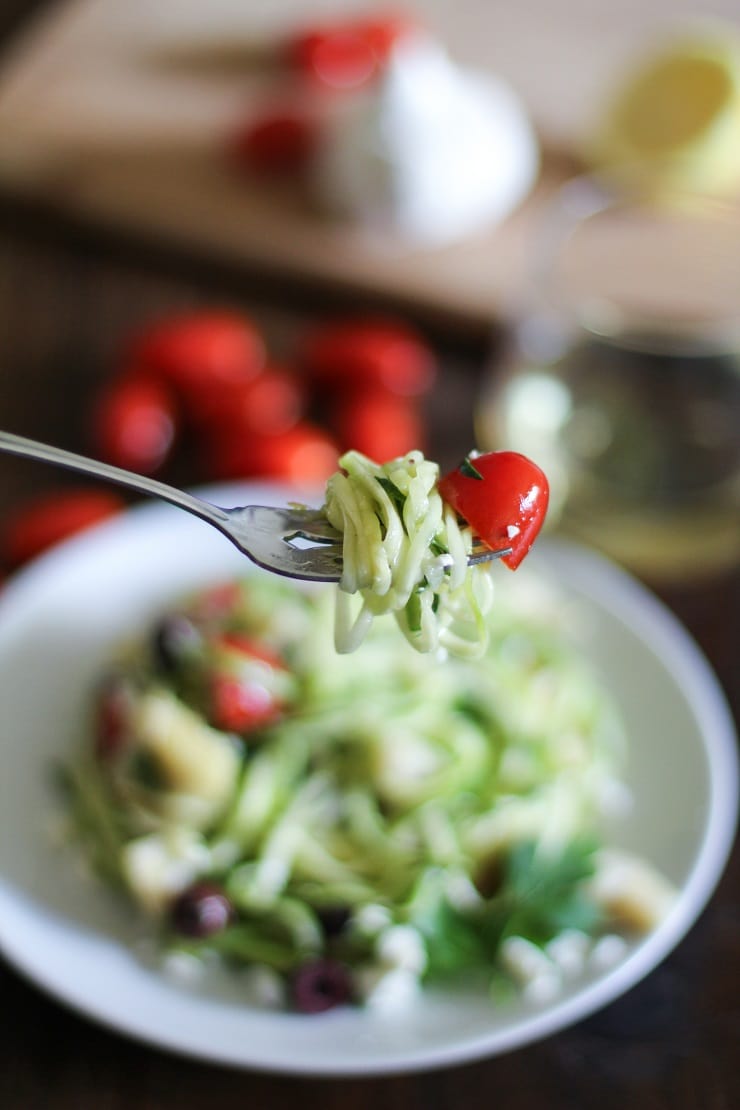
x,y
278,143
378,424
503,496
384,32
53,517
251,648
134,424
350,54
248,689
271,403
336,57
111,720
304,455
242,705
363,354
218,602
198,352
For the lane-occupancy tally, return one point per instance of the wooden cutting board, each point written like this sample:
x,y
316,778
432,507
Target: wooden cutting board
x,y
115,112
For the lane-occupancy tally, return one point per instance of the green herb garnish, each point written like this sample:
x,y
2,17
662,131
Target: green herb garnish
x,y
398,498
147,771
469,469
540,896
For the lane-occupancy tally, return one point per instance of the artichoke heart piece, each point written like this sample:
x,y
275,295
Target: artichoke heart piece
x,y
192,757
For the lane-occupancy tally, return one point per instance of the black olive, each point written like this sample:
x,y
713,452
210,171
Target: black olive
x,y
175,640
320,985
202,910
333,919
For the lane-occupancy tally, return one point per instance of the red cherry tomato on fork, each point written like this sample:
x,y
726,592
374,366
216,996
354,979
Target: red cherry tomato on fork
x,y
503,496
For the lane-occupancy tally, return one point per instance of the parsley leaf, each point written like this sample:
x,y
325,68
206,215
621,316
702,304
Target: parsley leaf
x,y
398,498
540,896
413,607
147,771
452,939
537,897
468,468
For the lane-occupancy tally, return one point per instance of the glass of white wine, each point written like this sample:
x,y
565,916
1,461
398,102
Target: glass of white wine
x,y
621,378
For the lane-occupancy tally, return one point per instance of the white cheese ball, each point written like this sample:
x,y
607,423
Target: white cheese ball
x,y
433,152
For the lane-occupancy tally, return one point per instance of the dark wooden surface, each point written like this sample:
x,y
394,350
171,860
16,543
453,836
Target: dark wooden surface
x,y
67,297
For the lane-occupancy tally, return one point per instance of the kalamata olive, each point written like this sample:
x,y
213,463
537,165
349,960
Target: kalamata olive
x,y
202,910
320,985
175,640
333,919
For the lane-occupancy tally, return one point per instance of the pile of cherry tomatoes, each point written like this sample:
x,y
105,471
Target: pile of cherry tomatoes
x,y
331,59
203,383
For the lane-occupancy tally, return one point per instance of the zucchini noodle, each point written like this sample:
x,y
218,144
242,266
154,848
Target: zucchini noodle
x,y
399,819
405,553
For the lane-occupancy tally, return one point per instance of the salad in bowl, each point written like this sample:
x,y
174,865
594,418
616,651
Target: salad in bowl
x,y
452,857
342,830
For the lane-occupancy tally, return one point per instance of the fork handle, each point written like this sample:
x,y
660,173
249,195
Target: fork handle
x,y
57,456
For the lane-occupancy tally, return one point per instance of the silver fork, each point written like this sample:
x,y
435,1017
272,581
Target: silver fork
x,y
293,541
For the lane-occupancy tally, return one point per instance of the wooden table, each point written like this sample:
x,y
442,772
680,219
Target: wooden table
x,y
66,299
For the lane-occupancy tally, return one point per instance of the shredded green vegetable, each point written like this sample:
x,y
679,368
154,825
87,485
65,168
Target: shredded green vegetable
x,y
405,553
435,812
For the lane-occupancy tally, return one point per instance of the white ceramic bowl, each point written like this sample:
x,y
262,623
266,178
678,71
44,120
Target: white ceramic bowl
x,y
61,617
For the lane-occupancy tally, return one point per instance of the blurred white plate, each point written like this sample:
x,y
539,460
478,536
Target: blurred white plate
x,y
59,619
